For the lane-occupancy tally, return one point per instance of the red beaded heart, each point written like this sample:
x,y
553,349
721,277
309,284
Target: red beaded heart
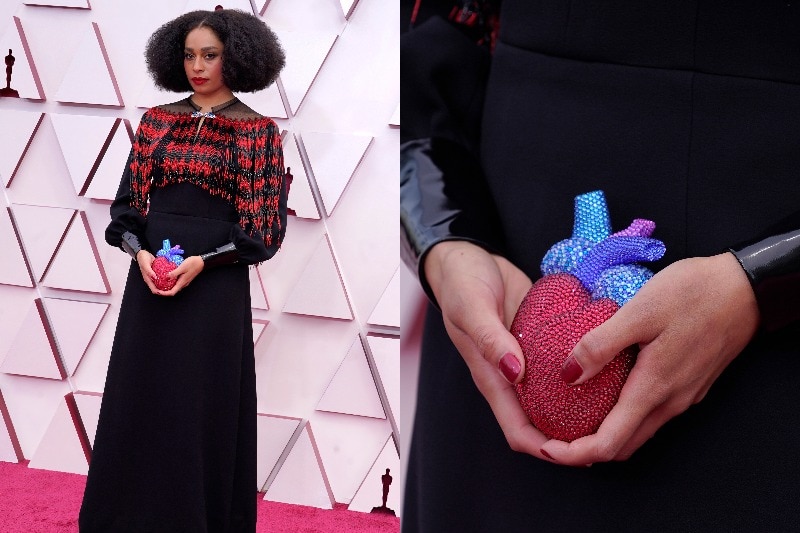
x,y
163,266
554,315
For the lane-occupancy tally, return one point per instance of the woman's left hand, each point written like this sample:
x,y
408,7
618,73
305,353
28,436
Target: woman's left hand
x,y
690,321
184,274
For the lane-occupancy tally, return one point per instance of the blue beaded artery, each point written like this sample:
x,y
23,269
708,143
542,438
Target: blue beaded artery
x,y
605,263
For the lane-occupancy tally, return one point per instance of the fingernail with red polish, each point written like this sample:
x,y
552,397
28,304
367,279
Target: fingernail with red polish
x,y
546,454
510,367
571,370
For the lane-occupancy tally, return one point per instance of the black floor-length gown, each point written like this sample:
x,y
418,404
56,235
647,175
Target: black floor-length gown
x,y
686,113
175,449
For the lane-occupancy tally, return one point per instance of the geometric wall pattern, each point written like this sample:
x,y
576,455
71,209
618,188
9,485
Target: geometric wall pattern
x,y
65,445
387,312
334,157
352,390
75,265
10,450
325,308
90,62
365,499
309,51
16,133
43,228
386,353
302,198
82,139
319,291
34,351
348,447
14,268
302,479
78,4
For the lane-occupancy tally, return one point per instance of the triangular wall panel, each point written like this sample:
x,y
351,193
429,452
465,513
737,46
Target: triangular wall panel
x,y
259,327
268,102
105,182
334,157
34,351
41,230
352,389
301,199
274,433
264,4
151,96
347,7
14,269
319,291
89,409
308,51
76,265
387,311
302,479
74,324
386,354
370,494
10,449
83,139
78,4
348,446
209,5
64,447
90,78
16,133
24,76
258,297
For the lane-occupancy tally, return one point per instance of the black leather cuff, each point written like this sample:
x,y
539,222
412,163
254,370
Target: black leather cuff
x,y
130,243
227,254
442,200
773,267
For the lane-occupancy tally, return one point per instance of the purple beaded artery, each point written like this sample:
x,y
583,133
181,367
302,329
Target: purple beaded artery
x,y
170,253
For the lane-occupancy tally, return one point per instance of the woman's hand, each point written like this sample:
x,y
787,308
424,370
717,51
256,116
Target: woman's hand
x,y
145,260
690,321
184,274
479,295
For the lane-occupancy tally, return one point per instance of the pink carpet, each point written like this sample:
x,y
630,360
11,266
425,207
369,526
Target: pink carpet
x,y
40,501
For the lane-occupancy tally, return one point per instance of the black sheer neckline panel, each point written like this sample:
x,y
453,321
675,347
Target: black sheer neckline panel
x,y
234,109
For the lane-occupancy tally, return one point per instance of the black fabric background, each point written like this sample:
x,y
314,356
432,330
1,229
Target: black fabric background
x,y
175,449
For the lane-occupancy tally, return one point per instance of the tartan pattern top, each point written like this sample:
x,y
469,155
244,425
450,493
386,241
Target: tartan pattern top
x,y
233,153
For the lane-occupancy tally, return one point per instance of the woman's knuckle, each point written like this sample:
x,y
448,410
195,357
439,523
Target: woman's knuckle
x,y
591,347
606,450
484,339
514,443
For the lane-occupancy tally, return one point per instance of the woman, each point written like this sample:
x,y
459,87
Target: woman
x,y
175,448
684,113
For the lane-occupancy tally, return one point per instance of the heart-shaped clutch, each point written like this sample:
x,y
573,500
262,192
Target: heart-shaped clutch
x,y
167,259
586,279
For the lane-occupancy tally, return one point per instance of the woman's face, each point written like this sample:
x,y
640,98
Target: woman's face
x,y
203,62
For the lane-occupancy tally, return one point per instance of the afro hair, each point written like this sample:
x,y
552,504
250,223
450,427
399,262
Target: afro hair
x,y
251,59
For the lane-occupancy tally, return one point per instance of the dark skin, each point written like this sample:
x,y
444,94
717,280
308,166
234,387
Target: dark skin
x,y
202,59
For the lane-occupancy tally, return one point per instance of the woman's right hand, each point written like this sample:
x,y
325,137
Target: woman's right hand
x,y
145,260
479,294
